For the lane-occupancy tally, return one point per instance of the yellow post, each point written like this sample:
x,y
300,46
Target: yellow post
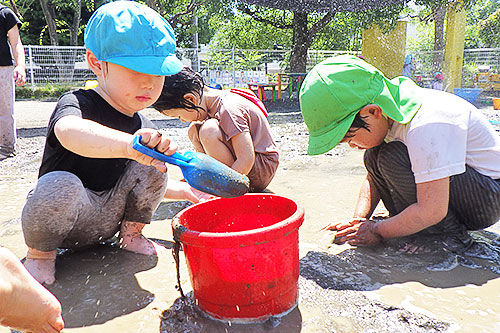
x,y
454,49
385,51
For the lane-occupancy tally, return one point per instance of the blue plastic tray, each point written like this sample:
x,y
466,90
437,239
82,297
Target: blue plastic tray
x,y
469,94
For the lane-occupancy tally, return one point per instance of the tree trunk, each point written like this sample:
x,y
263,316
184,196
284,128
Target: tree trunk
x,y
195,43
301,43
439,14
50,18
77,15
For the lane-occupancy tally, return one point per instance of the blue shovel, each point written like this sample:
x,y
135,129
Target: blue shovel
x,y
202,172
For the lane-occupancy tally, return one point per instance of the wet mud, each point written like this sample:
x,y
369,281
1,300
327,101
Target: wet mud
x,y
341,288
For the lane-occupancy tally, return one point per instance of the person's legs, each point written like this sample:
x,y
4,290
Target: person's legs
x,y
194,136
7,122
213,143
390,168
262,172
62,213
144,188
403,178
49,215
475,198
24,303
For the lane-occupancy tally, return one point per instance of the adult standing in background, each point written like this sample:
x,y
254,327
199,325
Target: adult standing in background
x,y
10,46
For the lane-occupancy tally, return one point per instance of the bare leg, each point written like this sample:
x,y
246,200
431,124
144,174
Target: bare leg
x,y
24,303
42,265
194,136
131,239
213,144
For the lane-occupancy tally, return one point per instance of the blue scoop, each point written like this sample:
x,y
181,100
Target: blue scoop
x,y
202,172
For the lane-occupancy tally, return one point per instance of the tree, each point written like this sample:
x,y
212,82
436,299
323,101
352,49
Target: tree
x,y
489,30
307,24
487,14
438,16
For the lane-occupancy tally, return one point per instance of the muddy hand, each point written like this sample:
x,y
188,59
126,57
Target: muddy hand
x,y
342,225
153,139
362,233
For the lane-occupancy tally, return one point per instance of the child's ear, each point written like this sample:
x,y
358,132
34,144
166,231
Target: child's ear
x,y
190,97
94,64
371,109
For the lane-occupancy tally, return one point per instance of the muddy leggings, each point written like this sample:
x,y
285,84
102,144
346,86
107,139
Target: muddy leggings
x,y
61,212
474,198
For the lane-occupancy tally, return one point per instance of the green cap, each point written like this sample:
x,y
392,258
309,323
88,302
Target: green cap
x,y
336,89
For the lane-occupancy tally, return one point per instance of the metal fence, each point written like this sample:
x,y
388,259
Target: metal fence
x,y
228,67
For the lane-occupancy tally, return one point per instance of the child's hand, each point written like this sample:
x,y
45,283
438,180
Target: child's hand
x,y
341,225
196,196
153,139
177,190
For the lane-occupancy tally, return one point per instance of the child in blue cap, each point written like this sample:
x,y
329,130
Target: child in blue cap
x,y
92,183
431,157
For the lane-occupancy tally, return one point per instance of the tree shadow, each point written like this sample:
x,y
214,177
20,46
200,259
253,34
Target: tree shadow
x,y
31,132
169,123
98,284
370,268
185,316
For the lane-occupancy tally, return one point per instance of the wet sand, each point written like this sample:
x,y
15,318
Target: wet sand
x,y
342,288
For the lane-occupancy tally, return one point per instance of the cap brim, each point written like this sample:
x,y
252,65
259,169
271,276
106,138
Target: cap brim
x,y
152,65
323,143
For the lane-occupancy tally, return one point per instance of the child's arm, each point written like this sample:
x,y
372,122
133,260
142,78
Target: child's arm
x,y
91,139
177,190
244,150
431,207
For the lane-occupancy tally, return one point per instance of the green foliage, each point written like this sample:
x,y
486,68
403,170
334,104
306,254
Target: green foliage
x,y
478,13
342,33
48,91
242,32
489,30
424,39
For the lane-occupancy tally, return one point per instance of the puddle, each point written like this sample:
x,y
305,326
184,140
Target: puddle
x,y
341,289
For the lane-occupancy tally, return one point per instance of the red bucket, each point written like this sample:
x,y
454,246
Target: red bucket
x,y
243,255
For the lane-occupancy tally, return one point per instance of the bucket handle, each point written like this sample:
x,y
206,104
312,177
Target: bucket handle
x,y
178,229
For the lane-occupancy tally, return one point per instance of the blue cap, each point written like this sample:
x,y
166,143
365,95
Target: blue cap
x,y
134,36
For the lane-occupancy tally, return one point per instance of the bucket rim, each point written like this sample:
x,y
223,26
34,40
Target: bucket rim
x,y
242,238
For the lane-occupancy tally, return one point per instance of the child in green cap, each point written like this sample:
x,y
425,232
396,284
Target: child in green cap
x,y
92,183
431,157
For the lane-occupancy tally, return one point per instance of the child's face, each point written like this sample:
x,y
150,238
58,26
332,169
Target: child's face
x,y
126,90
184,115
378,125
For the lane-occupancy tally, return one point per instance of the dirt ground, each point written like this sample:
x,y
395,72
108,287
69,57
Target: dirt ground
x,y
342,288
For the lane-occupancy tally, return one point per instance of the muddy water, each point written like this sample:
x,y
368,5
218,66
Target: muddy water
x,y
342,289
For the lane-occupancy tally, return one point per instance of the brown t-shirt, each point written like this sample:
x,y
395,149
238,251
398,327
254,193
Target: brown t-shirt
x,y
236,114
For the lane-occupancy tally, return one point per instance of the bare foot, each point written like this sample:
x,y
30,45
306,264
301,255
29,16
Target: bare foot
x,y
141,245
24,303
42,265
131,239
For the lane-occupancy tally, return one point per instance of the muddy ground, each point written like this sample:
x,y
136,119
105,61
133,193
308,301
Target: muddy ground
x,y
342,288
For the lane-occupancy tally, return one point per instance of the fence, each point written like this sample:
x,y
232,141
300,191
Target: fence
x,y
228,67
